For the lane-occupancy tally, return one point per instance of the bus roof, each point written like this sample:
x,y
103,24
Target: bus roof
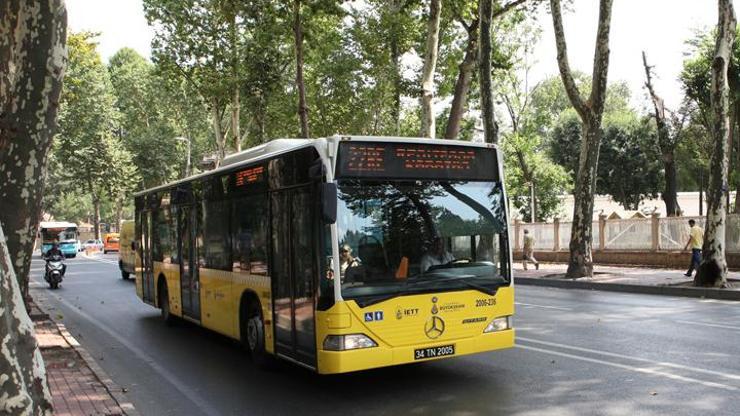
x,y
57,224
278,146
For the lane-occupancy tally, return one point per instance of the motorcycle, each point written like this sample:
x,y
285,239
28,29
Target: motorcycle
x,y
54,271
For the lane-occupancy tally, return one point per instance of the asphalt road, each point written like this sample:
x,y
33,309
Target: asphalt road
x,y
578,353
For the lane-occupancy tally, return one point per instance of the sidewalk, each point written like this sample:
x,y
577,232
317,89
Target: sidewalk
x,y
625,279
78,385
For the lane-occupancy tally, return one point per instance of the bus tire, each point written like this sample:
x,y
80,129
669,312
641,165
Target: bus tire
x,y
253,336
164,305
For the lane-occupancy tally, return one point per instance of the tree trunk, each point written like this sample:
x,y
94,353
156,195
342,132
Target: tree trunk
x,y
32,60
119,213
736,146
395,8
462,85
300,84
590,111
670,192
218,133
737,159
581,239
713,268
235,104
235,129
667,146
396,106
490,127
24,387
96,215
428,128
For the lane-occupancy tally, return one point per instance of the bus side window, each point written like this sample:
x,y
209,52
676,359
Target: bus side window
x,y
217,238
249,228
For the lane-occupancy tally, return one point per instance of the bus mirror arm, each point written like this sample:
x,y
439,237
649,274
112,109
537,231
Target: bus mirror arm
x,y
328,195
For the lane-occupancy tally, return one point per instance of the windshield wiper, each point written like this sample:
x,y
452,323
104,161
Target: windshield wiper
x,y
457,279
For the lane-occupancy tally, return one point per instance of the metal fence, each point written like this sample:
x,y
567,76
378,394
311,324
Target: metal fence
x,y
629,234
634,234
674,232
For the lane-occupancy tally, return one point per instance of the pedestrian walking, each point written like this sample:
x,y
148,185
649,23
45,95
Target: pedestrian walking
x,y
529,251
696,240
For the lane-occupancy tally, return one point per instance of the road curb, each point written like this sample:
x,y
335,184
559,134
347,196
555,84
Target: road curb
x,y
692,292
113,389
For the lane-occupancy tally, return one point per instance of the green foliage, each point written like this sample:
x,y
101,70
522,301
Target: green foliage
x,y
629,163
696,80
145,128
551,180
87,157
72,206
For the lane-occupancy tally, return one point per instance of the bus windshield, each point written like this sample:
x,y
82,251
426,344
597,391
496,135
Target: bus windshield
x,y
58,234
403,237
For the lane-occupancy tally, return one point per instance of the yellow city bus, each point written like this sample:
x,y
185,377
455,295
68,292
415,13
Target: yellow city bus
x,y
338,254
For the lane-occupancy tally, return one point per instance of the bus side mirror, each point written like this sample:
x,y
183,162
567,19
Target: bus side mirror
x,y
328,194
133,245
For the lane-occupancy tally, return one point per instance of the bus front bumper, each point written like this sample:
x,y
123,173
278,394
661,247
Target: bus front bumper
x,y
333,362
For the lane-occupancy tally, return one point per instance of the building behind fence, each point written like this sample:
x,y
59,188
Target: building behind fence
x,y
635,234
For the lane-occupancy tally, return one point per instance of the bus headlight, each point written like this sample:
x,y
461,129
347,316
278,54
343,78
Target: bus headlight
x,y
348,342
499,324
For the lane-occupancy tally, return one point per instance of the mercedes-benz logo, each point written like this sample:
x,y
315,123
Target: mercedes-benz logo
x,y
434,327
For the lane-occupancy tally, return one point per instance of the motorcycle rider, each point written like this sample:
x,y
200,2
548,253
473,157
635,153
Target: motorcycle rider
x,y
55,251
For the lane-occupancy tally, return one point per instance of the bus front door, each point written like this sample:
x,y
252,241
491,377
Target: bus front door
x,y
293,274
147,269
189,282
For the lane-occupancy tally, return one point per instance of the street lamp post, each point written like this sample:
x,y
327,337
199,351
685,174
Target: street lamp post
x,y
187,165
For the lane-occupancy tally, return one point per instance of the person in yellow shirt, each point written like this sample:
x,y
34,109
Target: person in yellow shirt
x,y
696,240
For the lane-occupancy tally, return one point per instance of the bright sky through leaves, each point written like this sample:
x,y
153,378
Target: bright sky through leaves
x,y
659,27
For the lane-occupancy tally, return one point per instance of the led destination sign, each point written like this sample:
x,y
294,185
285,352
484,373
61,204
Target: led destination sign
x,y
422,161
251,175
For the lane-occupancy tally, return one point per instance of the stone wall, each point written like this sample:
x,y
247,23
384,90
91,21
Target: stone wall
x,y
667,259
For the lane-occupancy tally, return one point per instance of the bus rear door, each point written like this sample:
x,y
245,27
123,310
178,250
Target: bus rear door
x,y
147,274
293,273
189,282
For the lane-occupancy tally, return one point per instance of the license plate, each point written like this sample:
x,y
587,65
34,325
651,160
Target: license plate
x,y
434,352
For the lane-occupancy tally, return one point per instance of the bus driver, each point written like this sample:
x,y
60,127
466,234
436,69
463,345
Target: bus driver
x,y
436,256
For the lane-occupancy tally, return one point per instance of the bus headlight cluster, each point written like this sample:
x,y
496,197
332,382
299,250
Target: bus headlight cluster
x,y
348,342
499,324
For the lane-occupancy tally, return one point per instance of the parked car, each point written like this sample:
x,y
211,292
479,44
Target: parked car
x,y
111,242
93,245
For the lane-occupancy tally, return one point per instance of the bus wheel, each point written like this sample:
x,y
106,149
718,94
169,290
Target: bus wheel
x,y
253,337
164,305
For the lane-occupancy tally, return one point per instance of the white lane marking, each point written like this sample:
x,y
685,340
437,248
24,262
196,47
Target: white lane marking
x,y
643,370
627,357
198,400
103,260
543,306
85,262
737,328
